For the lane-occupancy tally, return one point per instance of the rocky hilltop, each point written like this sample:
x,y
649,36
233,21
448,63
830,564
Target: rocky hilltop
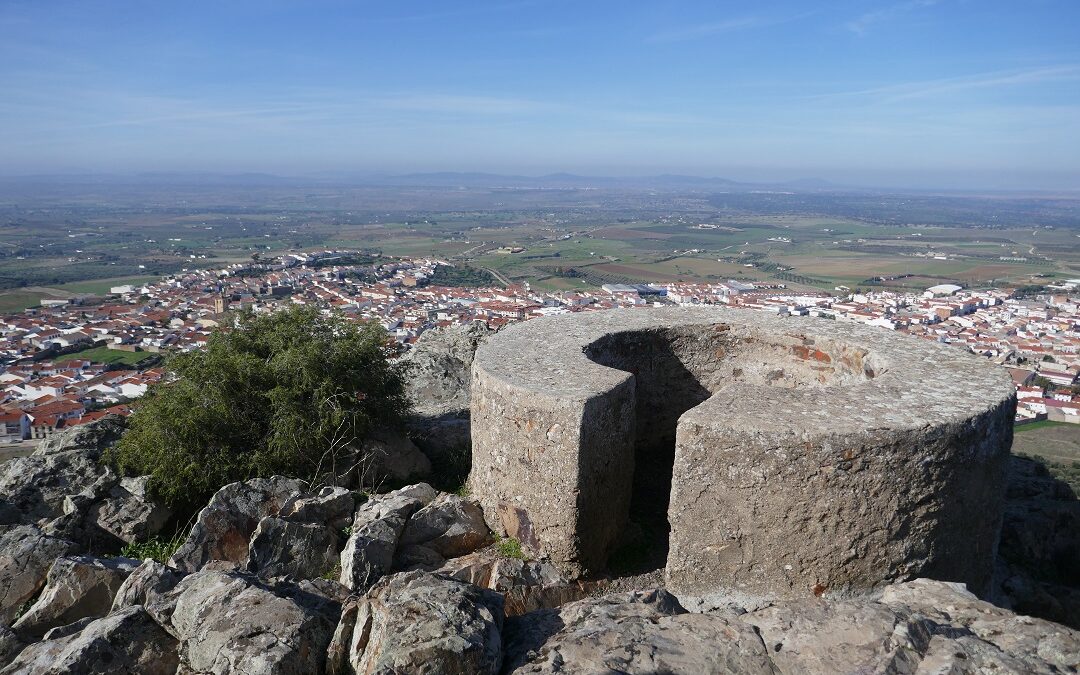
x,y
275,576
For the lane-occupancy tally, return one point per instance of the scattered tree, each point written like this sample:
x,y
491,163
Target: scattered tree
x,y
291,393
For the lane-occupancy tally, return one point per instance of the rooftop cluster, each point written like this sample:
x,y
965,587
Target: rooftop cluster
x,y
67,363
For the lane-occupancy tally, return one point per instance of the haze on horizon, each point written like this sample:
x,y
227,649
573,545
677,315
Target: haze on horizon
x,y
900,93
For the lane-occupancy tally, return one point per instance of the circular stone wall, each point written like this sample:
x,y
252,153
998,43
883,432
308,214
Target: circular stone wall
x,y
805,456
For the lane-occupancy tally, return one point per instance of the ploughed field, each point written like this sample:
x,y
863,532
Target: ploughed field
x,y
86,239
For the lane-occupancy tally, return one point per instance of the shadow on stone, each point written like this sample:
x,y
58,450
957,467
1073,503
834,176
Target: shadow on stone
x,y
665,388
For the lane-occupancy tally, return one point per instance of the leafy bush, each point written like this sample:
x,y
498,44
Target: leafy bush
x,y
157,548
291,393
508,547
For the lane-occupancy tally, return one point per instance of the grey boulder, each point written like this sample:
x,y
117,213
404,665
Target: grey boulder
x,y
224,527
416,622
449,525
232,623
283,548
387,455
26,554
376,531
332,506
638,633
148,581
77,587
128,512
127,642
526,585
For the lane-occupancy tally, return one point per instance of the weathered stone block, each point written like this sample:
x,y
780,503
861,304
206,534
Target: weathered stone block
x,y
804,456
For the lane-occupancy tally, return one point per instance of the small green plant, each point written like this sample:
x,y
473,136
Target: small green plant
x,y
156,548
463,491
508,547
332,574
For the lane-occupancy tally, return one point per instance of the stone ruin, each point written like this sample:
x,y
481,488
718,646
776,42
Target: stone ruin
x,y
769,457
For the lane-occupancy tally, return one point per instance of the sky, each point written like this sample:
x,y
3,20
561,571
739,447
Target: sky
x,y
907,93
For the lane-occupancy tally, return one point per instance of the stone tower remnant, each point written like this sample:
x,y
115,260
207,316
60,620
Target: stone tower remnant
x,y
805,456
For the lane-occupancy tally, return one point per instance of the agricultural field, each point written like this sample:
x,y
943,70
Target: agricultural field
x,y
83,239
1057,444
110,356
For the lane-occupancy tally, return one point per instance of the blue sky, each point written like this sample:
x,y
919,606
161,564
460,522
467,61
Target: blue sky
x,y
924,93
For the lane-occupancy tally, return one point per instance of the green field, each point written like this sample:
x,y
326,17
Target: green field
x,y
91,238
109,356
17,301
1056,443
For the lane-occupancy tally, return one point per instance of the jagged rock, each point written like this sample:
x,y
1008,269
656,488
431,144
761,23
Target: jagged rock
x,y
337,654
149,580
232,623
417,557
526,586
1039,644
281,548
26,554
450,525
129,513
440,367
333,506
376,530
815,636
439,384
10,645
225,525
419,622
96,436
392,456
127,642
68,629
638,633
77,587
38,486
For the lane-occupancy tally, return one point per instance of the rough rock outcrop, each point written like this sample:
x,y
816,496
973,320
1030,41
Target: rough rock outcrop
x,y
224,527
389,456
637,633
128,512
439,383
376,530
65,491
284,548
915,627
77,587
10,645
526,585
449,525
333,506
26,554
232,623
147,582
127,642
96,436
416,622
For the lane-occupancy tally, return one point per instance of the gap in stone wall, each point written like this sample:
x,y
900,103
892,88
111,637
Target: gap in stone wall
x,y
665,389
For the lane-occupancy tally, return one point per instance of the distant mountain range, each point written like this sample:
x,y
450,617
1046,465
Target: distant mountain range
x,y
435,179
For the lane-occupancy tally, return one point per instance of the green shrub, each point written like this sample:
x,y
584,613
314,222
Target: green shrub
x,y
508,547
157,548
290,393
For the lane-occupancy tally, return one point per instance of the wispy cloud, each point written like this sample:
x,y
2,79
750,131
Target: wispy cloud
x,y
861,24
707,29
950,85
